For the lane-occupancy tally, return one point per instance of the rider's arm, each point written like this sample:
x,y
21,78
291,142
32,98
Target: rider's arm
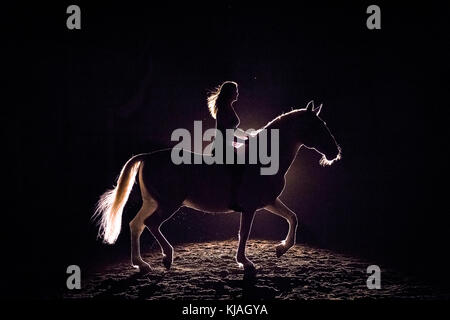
x,y
240,134
245,134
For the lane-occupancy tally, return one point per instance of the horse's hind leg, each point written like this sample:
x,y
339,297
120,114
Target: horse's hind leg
x,y
280,209
137,226
153,224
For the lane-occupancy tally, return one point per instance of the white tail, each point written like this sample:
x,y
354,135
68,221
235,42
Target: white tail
x,y
110,206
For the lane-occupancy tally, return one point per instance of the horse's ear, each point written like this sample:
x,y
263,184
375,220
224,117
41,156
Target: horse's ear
x,y
318,109
310,106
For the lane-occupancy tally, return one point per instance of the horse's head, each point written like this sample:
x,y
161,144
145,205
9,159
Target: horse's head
x,y
318,137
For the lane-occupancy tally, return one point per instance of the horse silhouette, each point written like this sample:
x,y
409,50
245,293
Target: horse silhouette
x,y
165,187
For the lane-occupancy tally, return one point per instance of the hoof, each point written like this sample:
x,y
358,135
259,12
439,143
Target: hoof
x,y
144,268
249,270
282,248
167,261
250,278
248,266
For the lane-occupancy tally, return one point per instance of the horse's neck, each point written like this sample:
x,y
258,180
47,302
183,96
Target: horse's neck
x,y
288,151
288,143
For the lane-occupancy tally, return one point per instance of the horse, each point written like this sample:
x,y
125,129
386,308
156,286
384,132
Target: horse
x,y
165,187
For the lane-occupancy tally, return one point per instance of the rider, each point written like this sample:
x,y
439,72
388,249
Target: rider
x,y
221,106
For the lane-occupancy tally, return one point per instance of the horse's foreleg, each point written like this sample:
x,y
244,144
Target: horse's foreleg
x,y
137,227
244,231
280,209
154,223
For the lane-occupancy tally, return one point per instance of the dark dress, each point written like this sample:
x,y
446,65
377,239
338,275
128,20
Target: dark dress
x,y
228,119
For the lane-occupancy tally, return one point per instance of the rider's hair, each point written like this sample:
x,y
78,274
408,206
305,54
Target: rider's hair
x,y
220,95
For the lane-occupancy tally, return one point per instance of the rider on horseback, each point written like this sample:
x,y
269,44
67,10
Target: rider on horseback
x,y
221,107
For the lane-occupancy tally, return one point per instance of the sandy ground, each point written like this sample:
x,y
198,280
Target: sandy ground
x,y
203,271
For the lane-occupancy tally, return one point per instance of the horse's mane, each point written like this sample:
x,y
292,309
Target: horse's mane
x,y
282,117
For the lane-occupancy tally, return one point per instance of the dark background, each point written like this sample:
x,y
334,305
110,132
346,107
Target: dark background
x,y
78,103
